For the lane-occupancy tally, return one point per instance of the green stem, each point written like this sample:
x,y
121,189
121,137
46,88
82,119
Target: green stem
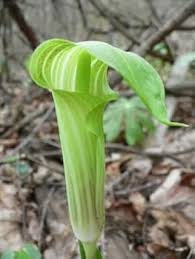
x,y
90,250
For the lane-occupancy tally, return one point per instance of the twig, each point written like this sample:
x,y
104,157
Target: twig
x,y
119,179
82,12
111,146
180,16
122,27
52,153
105,12
17,157
186,28
158,23
155,154
17,15
23,122
161,34
189,255
140,188
156,18
51,168
44,213
51,143
145,186
27,140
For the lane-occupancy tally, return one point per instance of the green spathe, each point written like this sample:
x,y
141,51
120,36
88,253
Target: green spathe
x,y
76,74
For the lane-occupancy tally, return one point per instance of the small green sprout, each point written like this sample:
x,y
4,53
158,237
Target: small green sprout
x,y
28,251
76,75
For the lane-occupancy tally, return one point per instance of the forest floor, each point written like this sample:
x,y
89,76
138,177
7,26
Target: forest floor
x,y
150,189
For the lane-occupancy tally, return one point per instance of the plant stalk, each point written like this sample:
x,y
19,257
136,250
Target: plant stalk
x,y
90,250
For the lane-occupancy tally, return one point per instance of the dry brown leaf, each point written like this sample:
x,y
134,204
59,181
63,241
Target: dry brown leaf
x,y
10,218
117,246
167,189
33,224
122,210
142,165
164,167
61,241
139,203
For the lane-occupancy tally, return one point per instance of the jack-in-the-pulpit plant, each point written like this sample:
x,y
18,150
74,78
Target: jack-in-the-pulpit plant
x,y
76,75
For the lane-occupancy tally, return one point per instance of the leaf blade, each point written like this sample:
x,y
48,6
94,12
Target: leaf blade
x,y
8,255
140,75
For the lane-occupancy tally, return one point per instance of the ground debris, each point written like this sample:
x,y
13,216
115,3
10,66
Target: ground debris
x,y
10,218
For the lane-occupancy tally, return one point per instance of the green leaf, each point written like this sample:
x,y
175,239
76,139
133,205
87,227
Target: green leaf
x,y
32,251
82,252
22,169
9,159
138,122
98,254
22,255
8,255
161,48
130,116
29,251
133,132
113,118
57,60
139,74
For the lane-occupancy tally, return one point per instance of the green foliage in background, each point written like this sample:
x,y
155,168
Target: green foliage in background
x,y
129,116
161,48
28,251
